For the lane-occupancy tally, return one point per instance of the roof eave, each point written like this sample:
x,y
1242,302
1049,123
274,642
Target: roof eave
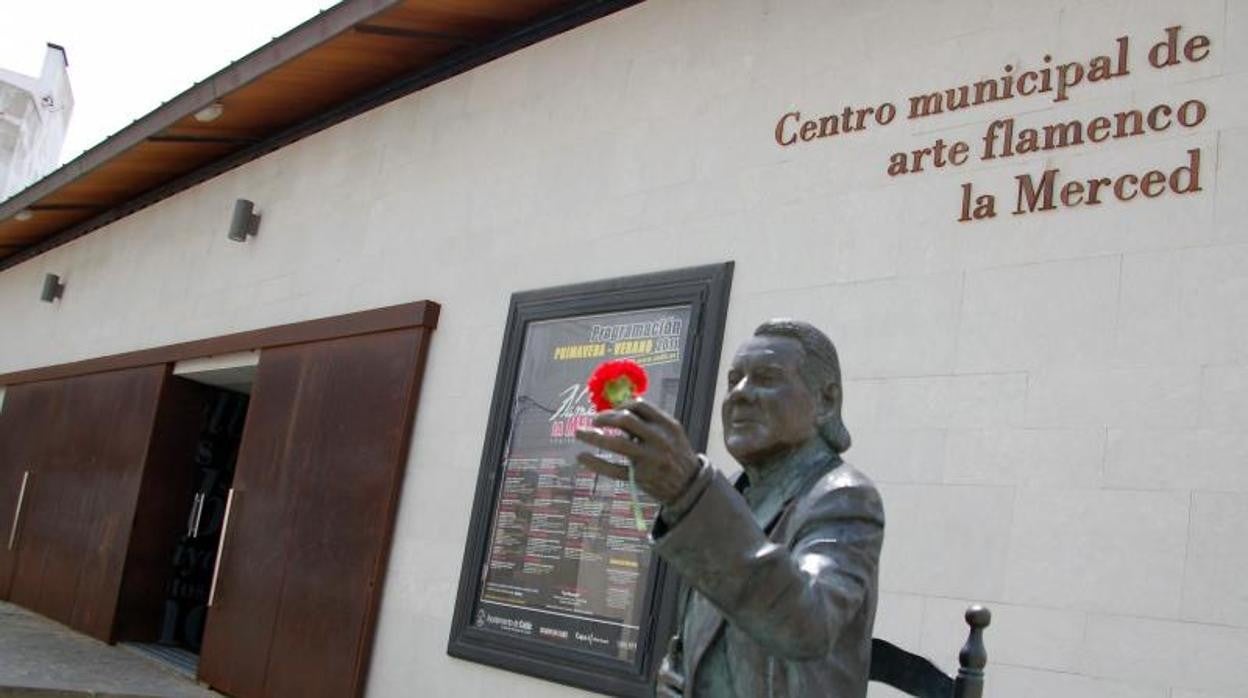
x,y
313,32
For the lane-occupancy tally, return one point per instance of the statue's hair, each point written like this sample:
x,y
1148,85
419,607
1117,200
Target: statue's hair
x,y
820,366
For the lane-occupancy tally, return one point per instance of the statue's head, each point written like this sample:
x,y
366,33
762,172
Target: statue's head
x,y
784,389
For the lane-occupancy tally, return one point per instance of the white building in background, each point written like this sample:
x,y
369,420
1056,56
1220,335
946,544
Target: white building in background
x,y
34,116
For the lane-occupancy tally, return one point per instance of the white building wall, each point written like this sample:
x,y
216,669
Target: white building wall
x,y
1054,405
34,116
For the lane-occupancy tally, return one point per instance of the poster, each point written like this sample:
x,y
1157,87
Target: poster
x,y
565,563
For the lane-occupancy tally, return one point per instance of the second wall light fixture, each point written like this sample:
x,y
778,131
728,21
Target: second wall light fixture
x,y
245,221
53,288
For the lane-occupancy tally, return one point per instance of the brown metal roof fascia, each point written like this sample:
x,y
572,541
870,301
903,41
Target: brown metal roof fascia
x,y
419,314
464,60
317,30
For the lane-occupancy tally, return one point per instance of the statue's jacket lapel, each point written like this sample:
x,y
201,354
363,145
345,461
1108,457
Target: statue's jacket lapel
x,y
710,621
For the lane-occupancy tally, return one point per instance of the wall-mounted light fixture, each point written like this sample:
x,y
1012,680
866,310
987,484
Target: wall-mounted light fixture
x,y
53,288
210,113
244,222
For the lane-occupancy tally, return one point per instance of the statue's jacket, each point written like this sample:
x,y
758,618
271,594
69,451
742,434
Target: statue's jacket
x,y
785,608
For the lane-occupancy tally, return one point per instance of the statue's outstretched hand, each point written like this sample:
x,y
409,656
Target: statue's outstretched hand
x,y
653,441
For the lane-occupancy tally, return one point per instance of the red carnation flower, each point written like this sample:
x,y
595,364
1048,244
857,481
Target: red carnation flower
x,y
615,382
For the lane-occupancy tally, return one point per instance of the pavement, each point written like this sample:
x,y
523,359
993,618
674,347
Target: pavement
x,y
44,659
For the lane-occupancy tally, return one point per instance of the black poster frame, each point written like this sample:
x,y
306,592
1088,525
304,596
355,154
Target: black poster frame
x,y
705,289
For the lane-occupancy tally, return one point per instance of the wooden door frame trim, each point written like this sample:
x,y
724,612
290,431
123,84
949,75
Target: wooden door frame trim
x,y
417,314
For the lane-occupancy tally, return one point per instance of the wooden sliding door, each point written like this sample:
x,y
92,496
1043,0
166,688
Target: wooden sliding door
x,y
311,515
24,431
81,445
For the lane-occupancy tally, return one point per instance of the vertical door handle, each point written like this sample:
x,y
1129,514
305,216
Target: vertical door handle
x,y
190,518
225,528
17,512
197,513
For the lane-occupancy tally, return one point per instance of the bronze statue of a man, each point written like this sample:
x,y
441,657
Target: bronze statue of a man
x,y
782,566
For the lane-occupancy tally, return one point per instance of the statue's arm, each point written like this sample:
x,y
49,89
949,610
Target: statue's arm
x,y
792,602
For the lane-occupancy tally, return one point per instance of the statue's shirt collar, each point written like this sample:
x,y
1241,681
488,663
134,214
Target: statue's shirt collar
x,y
776,486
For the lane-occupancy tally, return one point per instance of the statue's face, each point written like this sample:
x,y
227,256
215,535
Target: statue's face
x,y
768,410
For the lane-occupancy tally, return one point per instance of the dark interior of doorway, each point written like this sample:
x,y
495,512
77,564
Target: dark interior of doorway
x,y
168,624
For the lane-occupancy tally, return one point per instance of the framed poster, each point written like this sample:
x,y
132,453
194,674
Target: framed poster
x,y
557,580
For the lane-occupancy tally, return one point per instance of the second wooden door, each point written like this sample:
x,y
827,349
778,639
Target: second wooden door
x,y
311,514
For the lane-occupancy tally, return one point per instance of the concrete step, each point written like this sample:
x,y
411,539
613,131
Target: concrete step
x,y
39,657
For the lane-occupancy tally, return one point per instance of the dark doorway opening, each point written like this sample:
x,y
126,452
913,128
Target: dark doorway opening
x,y
180,515
193,558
